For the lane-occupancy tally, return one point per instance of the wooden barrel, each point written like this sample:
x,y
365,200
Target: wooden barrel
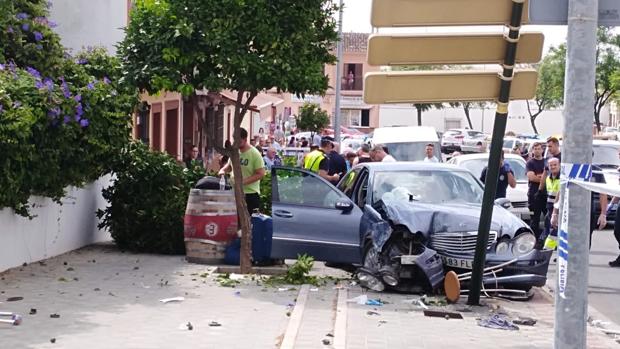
x,y
210,225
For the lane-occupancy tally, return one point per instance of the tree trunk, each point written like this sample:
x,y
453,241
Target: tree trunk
x,y
466,111
532,121
419,116
242,208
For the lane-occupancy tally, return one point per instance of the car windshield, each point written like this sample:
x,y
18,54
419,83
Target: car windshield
x,y
508,144
477,165
605,155
429,186
475,134
411,151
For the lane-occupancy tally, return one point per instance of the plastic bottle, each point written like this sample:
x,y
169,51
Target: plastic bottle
x,y
222,183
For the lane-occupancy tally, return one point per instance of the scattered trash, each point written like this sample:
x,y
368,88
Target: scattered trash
x,y
444,314
464,309
225,281
372,313
70,269
174,299
55,316
53,340
381,322
144,286
329,335
326,341
314,289
237,277
111,294
434,301
421,304
359,299
65,263
186,326
608,332
376,302
525,321
498,321
97,289
353,283
15,319
33,311
14,299
136,268
598,323
283,289
214,324
238,293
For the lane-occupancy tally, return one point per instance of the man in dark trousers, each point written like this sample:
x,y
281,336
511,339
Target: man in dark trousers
x,y
337,163
536,199
506,178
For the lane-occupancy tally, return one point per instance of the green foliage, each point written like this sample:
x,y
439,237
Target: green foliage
x,y
298,274
265,194
312,118
549,89
147,200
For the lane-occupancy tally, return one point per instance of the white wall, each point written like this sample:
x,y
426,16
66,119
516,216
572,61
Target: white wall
x,y
56,229
83,23
550,122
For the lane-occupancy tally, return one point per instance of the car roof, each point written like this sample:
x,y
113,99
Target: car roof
x,y
484,156
605,142
409,165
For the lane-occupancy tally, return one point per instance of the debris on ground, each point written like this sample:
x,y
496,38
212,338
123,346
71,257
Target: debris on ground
x,y
55,316
33,311
498,321
372,313
443,314
525,321
434,301
14,299
214,324
225,281
314,289
326,341
53,340
186,326
376,302
173,299
361,300
15,319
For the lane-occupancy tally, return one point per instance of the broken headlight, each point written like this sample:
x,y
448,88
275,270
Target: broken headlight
x,y
523,244
369,280
502,247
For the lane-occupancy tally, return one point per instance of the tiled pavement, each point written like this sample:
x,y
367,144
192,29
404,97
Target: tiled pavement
x,y
108,299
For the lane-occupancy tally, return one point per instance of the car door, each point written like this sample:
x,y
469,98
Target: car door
x,y
311,216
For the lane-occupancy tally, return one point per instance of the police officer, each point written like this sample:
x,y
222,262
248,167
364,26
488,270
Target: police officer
x,y
551,182
318,162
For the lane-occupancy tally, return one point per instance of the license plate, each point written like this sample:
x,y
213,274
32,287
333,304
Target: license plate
x,y
408,259
457,262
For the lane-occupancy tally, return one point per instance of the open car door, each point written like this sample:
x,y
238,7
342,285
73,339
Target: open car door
x,y
311,216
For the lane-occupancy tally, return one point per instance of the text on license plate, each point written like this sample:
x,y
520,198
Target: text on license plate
x,y
457,262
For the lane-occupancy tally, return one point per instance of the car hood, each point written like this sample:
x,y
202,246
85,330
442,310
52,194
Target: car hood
x,y
437,218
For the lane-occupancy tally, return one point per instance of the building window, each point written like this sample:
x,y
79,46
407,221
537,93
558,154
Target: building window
x,y
353,77
351,117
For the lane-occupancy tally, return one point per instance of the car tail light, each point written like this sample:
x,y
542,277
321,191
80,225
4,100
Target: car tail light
x,y
459,137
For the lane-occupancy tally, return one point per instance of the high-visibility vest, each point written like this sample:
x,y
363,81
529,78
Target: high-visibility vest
x,y
551,243
313,160
553,189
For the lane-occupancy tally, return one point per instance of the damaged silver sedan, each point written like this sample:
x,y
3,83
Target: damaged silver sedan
x,y
402,225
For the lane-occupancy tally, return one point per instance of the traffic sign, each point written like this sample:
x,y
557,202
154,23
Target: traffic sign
x,y
386,49
444,86
411,13
555,12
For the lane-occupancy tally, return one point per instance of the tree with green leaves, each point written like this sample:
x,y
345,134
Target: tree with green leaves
x,y
312,118
245,46
549,88
422,107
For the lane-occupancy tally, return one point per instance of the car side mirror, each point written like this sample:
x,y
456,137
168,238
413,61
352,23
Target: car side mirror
x,y
344,205
503,202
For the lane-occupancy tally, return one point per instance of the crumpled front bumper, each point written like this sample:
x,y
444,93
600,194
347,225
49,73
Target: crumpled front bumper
x,y
529,270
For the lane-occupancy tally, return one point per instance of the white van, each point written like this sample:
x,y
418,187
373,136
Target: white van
x,y
407,143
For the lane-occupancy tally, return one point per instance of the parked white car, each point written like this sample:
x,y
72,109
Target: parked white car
x,y
463,140
475,163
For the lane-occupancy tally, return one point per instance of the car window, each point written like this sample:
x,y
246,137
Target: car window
x,y
508,144
476,166
518,167
298,188
346,185
362,190
427,186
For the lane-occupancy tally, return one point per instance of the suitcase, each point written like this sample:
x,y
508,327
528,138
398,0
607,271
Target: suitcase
x,y
262,232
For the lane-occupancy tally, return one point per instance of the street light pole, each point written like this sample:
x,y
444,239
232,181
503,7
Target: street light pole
x,y
571,302
338,76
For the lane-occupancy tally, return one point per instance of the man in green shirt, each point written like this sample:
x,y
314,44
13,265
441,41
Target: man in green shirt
x,y
252,169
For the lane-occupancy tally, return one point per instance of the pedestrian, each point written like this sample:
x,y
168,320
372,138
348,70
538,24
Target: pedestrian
x,y
272,159
378,154
553,148
292,143
194,158
550,183
252,170
536,198
337,163
506,177
430,153
318,162
316,139
351,157
363,154
278,134
517,149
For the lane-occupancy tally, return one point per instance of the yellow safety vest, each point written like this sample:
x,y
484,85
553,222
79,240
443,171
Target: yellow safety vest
x,y
313,160
553,189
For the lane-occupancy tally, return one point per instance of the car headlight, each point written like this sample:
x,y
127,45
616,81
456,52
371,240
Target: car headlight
x,y
502,247
523,244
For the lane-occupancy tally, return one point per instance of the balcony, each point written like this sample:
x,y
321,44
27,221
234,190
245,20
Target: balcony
x,y
352,84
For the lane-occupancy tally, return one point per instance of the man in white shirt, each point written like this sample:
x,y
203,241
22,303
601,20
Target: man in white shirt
x,y
378,154
430,153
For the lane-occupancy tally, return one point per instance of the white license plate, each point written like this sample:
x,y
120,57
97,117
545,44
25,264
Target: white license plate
x,y
408,259
457,262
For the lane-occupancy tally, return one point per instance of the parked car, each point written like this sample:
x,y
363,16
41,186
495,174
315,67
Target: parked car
x,y
606,160
475,163
510,143
402,223
463,140
407,143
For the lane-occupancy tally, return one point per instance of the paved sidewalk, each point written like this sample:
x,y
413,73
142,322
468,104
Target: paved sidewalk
x,y
108,299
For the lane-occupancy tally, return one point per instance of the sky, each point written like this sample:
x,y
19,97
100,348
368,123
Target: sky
x,y
356,18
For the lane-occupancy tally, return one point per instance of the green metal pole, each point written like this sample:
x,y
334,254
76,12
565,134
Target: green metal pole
x,y
499,128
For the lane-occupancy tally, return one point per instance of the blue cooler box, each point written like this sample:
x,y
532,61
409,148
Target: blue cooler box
x,y
262,232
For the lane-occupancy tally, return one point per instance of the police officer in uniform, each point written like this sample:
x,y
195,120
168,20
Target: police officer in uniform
x,y
318,162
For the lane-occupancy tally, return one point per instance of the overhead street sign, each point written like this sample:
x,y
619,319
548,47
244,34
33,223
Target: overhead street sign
x,y
387,49
411,13
444,86
555,12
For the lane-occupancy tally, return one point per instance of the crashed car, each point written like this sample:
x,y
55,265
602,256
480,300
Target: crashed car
x,y
402,225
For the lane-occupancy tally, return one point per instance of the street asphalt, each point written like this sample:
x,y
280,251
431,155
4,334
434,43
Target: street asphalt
x,y
604,290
